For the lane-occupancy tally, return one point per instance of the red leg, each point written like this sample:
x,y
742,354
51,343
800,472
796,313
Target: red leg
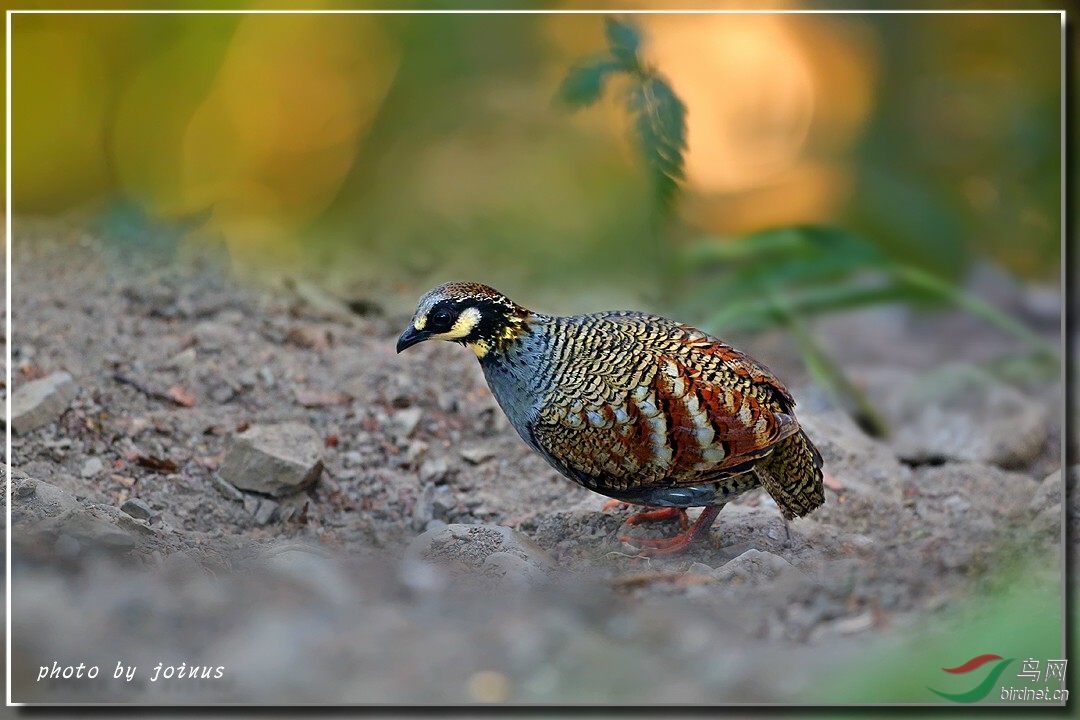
x,y
666,546
654,515
659,514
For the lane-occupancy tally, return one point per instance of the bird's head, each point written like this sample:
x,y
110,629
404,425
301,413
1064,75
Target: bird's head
x,y
469,313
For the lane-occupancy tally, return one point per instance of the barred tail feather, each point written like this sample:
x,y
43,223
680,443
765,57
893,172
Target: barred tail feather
x,y
791,474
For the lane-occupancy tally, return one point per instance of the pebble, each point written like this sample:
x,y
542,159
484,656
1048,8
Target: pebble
x,y
95,533
138,509
443,504
1047,494
47,500
39,402
91,468
466,549
227,489
215,336
277,460
404,422
434,470
265,512
423,508
1047,521
699,568
182,360
755,564
478,454
956,504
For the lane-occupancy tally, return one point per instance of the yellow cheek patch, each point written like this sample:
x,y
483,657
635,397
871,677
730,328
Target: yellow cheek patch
x,y
479,347
467,320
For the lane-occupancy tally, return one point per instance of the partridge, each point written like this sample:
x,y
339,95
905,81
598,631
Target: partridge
x,y
633,406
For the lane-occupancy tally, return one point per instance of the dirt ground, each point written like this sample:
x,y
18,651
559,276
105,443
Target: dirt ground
x,y
319,597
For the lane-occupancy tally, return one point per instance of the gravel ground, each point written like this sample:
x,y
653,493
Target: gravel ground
x,y
252,483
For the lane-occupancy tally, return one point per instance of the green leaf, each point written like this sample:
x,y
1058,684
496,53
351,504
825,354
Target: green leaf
x,y
926,282
757,314
807,242
660,128
584,82
624,40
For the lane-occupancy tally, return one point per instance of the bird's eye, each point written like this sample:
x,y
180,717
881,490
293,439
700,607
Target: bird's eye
x,y
440,316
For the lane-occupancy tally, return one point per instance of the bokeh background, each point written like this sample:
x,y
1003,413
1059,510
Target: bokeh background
x,y
390,145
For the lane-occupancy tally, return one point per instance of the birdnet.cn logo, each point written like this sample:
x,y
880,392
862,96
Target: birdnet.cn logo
x,y
992,667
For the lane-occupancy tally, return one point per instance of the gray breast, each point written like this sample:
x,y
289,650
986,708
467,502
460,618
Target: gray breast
x,y
519,379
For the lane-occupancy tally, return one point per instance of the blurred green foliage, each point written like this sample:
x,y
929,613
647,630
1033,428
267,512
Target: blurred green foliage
x,y
404,147
781,277
659,115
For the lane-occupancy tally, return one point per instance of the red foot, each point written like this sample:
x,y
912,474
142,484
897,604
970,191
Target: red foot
x,y
659,514
666,546
654,515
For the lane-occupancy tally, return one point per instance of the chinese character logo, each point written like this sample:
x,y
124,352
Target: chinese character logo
x,y
983,688
1055,669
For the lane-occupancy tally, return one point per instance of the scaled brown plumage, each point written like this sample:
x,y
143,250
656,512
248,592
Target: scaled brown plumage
x,y
632,405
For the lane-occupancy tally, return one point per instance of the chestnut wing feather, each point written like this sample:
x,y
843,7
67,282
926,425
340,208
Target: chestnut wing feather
x,y
684,410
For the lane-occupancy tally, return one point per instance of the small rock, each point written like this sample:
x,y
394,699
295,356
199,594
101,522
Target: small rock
x,y
506,566
479,454
93,532
404,421
227,489
91,468
842,626
215,336
320,302
1047,494
182,360
138,509
423,509
39,402
1047,521
956,504
415,451
434,470
755,565
131,525
699,568
434,524
442,504
46,500
465,549
265,511
277,460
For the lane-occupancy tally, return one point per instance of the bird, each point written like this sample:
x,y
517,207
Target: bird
x,y
638,408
